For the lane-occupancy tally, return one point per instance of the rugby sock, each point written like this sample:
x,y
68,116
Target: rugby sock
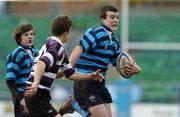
x,y
81,111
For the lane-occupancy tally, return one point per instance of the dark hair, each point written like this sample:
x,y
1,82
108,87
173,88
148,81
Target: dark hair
x,y
60,24
105,9
20,29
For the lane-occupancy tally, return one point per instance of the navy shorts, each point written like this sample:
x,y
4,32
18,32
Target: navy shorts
x,y
39,105
90,93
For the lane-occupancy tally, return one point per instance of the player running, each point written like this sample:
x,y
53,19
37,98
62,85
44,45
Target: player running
x,y
97,48
51,60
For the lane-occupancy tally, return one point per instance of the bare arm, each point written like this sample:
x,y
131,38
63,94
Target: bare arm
x,y
40,67
94,76
75,54
72,59
31,90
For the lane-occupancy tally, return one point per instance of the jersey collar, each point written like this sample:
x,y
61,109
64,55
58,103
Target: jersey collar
x,y
25,47
57,39
105,27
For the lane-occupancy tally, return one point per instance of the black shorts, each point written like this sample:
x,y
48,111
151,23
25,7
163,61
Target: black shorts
x,y
90,93
39,105
19,111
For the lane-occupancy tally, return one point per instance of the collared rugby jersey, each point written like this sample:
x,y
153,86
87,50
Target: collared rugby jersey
x,y
100,47
19,63
55,58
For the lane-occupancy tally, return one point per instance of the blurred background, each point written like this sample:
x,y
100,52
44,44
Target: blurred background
x,y
149,30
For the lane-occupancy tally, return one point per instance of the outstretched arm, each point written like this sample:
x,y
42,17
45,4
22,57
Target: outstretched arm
x,y
72,59
76,76
94,76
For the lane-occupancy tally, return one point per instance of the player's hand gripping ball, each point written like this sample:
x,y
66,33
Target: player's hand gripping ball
x,y
123,59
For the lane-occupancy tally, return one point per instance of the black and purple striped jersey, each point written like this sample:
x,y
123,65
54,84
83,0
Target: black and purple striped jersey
x,y
53,55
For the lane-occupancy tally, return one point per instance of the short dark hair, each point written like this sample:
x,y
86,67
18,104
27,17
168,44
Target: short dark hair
x,y
60,24
20,29
105,9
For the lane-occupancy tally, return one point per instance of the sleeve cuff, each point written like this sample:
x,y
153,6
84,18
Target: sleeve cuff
x,y
68,72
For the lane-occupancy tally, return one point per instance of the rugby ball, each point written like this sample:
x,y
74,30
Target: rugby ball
x,y
123,59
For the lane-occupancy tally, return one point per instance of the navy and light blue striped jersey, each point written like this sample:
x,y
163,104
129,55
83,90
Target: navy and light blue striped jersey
x,y
19,63
53,55
100,48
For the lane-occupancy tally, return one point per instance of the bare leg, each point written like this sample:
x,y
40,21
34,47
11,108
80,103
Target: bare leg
x,y
108,108
99,111
58,115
